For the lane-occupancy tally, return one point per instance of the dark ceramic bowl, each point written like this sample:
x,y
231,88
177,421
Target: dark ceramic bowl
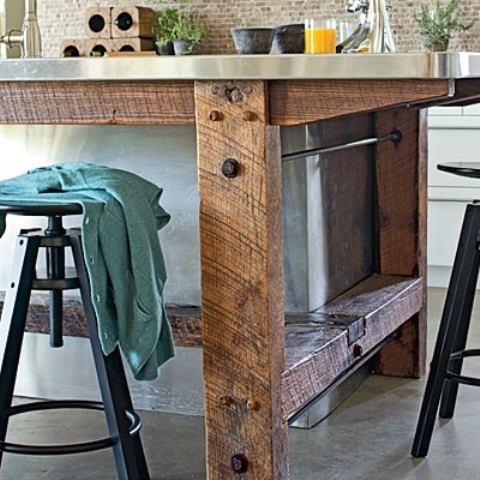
x,y
252,40
290,38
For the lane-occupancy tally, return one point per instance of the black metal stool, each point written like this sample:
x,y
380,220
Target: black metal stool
x,y
123,423
450,349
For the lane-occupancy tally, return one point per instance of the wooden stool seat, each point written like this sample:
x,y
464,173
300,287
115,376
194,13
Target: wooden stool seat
x,y
450,348
123,423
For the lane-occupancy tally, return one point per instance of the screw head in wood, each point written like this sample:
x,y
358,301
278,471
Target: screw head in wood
x,y
357,351
239,463
225,401
253,404
248,116
215,116
230,167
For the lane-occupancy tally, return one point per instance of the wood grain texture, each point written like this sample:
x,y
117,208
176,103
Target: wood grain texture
x,y
294,103
242,282
319,351
113,103
185,322
402,212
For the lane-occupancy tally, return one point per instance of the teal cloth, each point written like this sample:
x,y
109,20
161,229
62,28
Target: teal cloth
x,y
121,216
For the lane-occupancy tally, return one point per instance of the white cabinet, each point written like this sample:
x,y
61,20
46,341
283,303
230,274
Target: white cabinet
x,y
454,135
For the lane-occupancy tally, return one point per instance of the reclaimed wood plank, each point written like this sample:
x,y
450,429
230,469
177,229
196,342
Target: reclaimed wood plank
x,y
318,352
402,214
104,103
294,103
242,282
185,322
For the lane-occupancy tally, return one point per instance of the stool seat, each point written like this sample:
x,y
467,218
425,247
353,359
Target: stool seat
x,y
464,169
122,421
43,210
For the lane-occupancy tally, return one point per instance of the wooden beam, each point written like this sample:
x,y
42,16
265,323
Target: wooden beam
x,y
103,103
402,216
242,282
319,350
294,103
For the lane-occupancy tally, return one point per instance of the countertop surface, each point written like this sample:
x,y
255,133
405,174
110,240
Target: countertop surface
x,y
454,65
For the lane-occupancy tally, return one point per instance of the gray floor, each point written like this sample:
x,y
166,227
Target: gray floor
x,y
367,438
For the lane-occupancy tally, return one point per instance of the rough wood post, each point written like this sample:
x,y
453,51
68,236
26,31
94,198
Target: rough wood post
x,y
402,212
242,281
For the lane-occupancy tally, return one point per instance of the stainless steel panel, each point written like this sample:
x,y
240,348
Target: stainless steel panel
x,y
68,372
327,209
328,213
264,67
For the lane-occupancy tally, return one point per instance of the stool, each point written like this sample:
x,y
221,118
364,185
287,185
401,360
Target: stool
x,y
123,423
445,370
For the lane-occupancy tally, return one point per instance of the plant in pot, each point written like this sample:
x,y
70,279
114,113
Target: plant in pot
x,y
188,32
164,28
438,24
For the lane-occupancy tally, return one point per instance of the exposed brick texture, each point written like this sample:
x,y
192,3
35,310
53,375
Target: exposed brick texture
x,y
61,19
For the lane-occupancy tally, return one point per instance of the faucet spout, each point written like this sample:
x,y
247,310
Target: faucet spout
x,y
29,37
372,34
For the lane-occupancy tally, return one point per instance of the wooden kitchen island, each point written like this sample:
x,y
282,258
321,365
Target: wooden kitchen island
x,y
259,366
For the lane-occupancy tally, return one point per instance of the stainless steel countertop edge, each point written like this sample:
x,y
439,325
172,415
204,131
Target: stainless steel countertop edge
x,y
245,67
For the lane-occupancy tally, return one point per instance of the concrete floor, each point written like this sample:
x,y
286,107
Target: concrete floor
x,y
367,438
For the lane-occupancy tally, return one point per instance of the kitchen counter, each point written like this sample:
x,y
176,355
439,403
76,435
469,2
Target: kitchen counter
x,y
245,67
260,368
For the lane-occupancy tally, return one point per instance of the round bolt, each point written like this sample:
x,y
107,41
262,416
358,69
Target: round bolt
x,y
253,405
214,89
249,116
239,463
225,401
215,116
230,167
357,351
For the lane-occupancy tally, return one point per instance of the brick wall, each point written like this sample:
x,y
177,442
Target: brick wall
x,y
61,19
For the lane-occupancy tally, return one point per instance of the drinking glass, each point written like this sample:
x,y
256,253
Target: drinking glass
x,y
320,35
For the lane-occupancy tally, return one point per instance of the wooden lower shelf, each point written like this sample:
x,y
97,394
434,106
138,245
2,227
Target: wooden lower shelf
x,y
319,346
322,345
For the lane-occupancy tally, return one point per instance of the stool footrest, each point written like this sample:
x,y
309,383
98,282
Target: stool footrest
x,y
55,284
463,379
135,425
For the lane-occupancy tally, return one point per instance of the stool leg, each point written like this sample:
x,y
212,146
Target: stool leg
x,y
12,324
464,275
450,389
128,451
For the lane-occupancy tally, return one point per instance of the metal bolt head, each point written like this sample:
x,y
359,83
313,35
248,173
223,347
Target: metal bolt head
x,y
253,404
357,351
248,116
215,116
230,167
225,401
239,463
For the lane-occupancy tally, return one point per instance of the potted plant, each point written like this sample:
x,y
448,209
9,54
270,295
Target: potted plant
x,y
188,33
164,27
438,24
177,31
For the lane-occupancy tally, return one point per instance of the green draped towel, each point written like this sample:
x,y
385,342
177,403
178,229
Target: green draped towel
x,y
121,216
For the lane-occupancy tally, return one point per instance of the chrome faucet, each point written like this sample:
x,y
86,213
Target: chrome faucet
x,y
29,37
372,34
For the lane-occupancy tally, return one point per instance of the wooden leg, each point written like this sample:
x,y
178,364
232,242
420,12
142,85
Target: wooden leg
x,y
242,282
402,206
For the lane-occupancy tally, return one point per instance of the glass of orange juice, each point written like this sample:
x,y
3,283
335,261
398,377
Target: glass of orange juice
x,y
320,35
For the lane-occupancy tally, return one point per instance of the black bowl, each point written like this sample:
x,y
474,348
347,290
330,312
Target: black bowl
x,y
290,38
252,40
